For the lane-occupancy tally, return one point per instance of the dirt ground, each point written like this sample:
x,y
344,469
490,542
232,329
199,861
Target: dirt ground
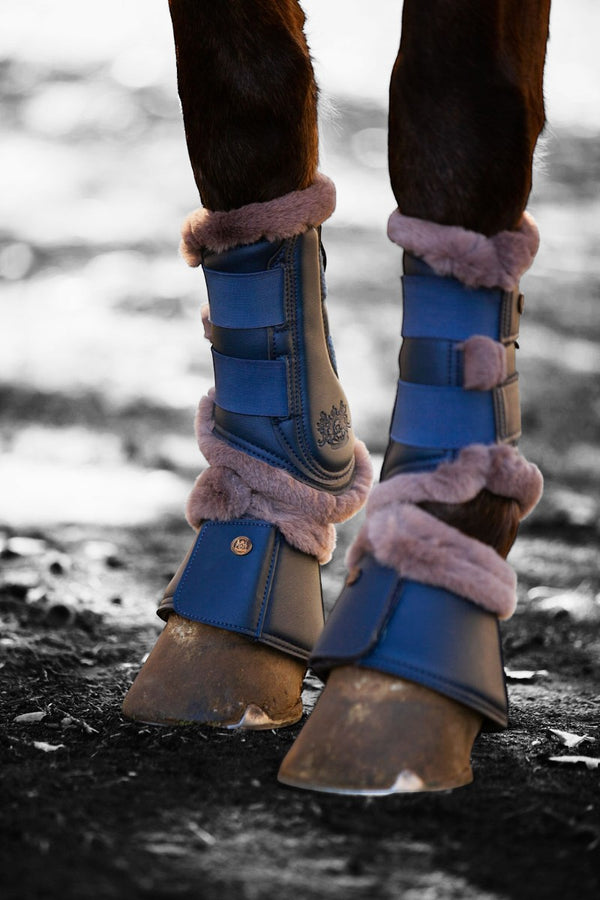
x,y
95,806
101,365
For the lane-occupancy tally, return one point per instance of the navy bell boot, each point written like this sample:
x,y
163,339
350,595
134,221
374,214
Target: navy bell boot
x,y
411,653
244,609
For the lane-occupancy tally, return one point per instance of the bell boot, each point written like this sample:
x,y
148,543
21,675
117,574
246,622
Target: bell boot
x,y
245,607
411,653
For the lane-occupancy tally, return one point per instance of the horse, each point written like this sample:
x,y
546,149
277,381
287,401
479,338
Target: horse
x,y
411,653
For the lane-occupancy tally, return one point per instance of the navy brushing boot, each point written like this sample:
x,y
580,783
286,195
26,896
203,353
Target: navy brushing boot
x,y
411,653
245,608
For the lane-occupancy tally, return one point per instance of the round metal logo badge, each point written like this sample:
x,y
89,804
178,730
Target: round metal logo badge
x,y
241,545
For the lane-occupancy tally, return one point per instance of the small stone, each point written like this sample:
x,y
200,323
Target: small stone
x,y
25,546
30,718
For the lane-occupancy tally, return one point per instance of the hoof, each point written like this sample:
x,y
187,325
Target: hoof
x,y
374,734
204,675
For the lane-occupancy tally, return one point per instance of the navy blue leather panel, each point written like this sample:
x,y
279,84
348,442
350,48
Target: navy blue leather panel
x,y
246,300
444,308
443,417
256,594
222,589
422,633
252,387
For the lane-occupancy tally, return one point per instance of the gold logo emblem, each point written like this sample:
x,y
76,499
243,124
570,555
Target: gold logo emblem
x,y
241,545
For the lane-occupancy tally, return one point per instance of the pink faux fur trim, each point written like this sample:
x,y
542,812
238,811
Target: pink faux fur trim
x,y
498,467
284,217
237,484
422,548
484,363
474,259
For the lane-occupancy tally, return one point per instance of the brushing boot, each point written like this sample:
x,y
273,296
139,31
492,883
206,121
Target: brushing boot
x,y
411,653
245,607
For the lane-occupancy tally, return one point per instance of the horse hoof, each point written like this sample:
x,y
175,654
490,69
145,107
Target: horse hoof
x,y
200,674
374,734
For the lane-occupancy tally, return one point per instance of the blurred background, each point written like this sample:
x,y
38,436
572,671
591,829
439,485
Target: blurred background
x,y
102,360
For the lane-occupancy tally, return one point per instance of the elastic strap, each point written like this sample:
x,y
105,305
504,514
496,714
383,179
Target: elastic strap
x,y
246,300
444,308
442,417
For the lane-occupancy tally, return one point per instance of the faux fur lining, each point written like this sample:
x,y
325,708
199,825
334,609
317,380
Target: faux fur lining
x,y
284,217
472,258
498,467
237,484
484,363
422,548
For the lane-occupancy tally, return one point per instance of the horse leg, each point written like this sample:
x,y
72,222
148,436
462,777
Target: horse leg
x,y
248,97
244,609
412,680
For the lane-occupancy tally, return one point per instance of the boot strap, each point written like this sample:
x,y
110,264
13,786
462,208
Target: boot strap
x,y
451,417
251,387
247,299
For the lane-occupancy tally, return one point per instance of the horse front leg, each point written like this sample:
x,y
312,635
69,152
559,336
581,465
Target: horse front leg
x,y
244,609
412,650
249,99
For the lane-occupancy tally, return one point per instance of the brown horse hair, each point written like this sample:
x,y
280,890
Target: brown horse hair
x,y
466,109
249,98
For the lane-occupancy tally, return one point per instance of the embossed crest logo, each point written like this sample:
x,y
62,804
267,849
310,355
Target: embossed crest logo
x,y
334,426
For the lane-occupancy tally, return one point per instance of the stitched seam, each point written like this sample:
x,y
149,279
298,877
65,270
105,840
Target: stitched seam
x,y
308,460
282,463
499,412
504,315
267,591
319,473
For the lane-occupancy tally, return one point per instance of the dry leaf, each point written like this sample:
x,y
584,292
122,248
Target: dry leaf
x,y
29,718
525,674
48,748
591,762
569,739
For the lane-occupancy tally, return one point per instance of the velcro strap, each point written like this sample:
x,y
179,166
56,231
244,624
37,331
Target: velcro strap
x,y
251,387
246,300
443,417
444,308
